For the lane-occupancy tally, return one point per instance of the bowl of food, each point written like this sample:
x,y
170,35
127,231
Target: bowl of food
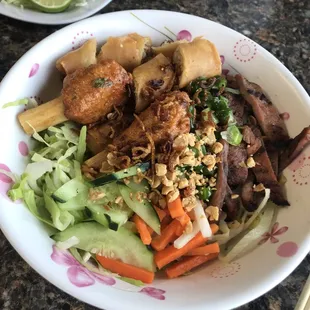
x,y
48,12
149,165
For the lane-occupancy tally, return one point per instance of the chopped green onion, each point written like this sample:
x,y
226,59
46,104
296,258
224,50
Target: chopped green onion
x,y
202,169
203,150
195,151
233,135
220,83
204,193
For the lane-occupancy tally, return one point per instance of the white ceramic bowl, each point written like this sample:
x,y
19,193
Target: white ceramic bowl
x,y
217,286
69,16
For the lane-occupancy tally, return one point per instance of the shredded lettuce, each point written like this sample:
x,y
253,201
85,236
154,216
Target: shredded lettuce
x,y
54,167
36,206
18,189
16,103
81,148
61,219
249,238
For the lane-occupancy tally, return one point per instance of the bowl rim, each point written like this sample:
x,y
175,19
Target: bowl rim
x,y
257,290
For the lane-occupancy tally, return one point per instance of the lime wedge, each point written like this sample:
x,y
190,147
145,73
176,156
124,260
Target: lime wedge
x,y
51,6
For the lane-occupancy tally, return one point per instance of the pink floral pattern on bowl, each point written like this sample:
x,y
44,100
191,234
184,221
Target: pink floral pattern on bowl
x,y
5,181
34,70
23,148
154,292
272,235
221,271
301,170
287,249
80,38
80,276
184,35
77,274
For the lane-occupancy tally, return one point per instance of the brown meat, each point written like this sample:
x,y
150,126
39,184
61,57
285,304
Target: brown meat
x,y
231,205
295,147
264,174
231,81
253,142
218,197
164,120
273,154
238,107
266,114
238,171
250,199
90,93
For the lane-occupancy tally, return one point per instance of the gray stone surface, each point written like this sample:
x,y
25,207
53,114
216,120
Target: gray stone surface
x,y
280,26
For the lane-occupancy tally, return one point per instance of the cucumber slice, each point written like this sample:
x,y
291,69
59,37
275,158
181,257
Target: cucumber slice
x,y
121,244
113,218
69,190
104,210
76,203
144,208
143,186
129,172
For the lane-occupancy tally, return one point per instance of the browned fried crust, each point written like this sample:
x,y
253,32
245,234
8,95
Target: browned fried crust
x,y
84,103
164,120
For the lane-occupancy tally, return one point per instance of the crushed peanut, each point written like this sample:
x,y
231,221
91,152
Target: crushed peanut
x,y
234,196
212,182
160,169
183,183
210,138
126,181
95,195
138,178
119,200
140,196
258,188
250,162
180,142
157,182
217,147
166,182
209,161
188,228
167,189
171,175
242,164
189,203
188,160
213,213
172,196
191,139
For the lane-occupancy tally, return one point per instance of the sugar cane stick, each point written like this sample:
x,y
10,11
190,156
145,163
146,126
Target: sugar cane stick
x,y
43,116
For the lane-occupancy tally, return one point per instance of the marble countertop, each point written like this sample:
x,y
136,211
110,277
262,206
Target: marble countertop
x,y
280,26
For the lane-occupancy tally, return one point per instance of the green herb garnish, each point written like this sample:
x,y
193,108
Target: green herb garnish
x,y
102,83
